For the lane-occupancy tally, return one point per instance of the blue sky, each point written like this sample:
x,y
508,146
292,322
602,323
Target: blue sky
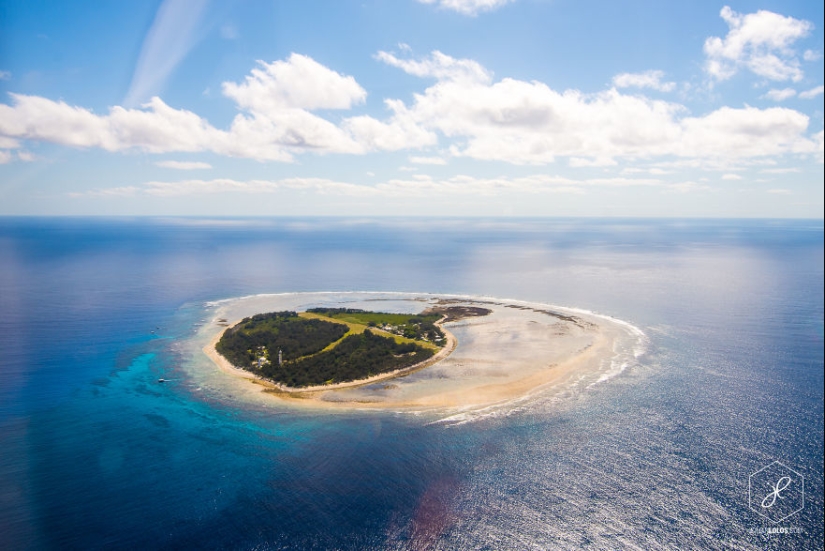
x,y
412,107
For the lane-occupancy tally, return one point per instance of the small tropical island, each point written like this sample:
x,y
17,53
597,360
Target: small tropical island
x,y
333,346
405,351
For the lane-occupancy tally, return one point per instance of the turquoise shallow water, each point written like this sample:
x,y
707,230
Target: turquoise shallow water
x,y
97,454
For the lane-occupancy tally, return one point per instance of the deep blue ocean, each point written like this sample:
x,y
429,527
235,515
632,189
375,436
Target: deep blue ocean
x,y
95,454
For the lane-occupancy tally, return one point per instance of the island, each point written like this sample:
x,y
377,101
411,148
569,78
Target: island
x,y
405,352
333,346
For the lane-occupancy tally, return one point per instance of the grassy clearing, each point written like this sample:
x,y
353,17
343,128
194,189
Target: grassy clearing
x,y
357,323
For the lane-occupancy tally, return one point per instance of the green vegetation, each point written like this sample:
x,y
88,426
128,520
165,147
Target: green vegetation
x,y
330,345
419,327
355,357
258,339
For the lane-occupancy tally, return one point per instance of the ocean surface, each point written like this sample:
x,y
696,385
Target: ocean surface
x,y
96,454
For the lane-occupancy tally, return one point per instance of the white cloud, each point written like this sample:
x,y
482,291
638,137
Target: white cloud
x,y
401,131
812,93
157,128
465,113
780,95
654,171
173,34
468,7
299,82
279,96
687,187
5,75
731,176
747,132
811,55
440,67
418,185
428,160
184,165
648,79
581,162
8,143
123,191
275,125
760,42
9,156
530,123
789,170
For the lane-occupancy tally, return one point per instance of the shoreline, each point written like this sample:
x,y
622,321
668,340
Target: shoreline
x,y
305,392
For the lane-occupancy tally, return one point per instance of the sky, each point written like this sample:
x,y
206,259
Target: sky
x,y
412,108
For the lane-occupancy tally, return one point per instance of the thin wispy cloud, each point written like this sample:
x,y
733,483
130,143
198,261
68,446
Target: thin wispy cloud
x,y
647,79
184,165
468,7
780,95
418,185
174,32
428,160
812,93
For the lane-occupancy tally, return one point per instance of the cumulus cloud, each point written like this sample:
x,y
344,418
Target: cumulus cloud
x,y
184,165
468,7
298,82
760,42
780,95
275,121
731,177
812,93
811,55
508,120
647,79
400,131
530,123
156,128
